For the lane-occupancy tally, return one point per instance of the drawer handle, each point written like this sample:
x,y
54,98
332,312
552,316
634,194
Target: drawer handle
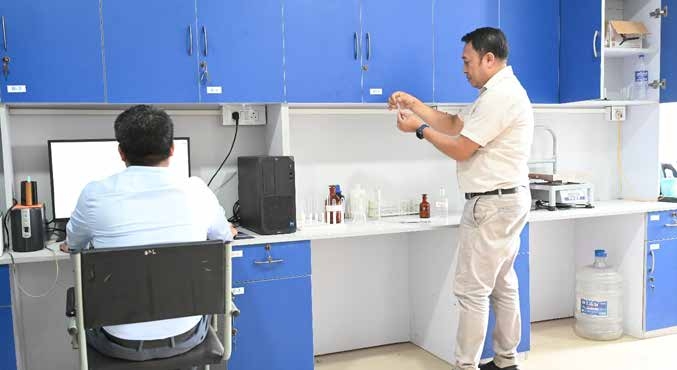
x,y
652,270
671,225
268,261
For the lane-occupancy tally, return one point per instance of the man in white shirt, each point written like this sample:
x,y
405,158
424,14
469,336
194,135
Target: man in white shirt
x,y
491,142
146,204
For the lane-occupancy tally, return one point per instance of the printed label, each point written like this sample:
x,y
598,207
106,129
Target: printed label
x,y
238,291
16,89
654,247
235,254
641,76
594,308
214,90
655,218
375,91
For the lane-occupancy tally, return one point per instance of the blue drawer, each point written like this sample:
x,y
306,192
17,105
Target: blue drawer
x,y
661,225
7,354
5,296
271,261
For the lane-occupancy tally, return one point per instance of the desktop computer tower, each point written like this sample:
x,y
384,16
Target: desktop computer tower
x,y
267,192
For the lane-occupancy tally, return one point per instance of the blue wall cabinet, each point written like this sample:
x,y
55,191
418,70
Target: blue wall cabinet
x,y
274,330
669,54
150,51
522,270
534,55
323,51
53,50
396,57
661,281
239,44
7,351
452,20
580,50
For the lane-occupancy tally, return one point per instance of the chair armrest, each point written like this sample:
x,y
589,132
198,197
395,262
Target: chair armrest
x,y
70,302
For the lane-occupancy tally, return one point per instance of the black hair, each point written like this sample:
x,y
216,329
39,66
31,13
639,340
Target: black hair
x,y
488,40
145,135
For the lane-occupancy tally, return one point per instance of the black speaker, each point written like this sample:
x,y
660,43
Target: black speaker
x,y
267,192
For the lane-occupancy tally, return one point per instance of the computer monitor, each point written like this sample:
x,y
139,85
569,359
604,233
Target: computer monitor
x,y
75,163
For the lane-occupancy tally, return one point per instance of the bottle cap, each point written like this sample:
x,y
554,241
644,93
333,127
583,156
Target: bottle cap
x,y
600,253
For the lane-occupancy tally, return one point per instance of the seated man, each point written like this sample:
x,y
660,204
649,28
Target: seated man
x,y
146,204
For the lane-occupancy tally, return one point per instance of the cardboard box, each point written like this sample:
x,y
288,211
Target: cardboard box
x,y
626,34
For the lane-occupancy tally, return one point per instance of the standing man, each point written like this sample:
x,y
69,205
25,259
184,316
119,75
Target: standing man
x,y
146,204
491,142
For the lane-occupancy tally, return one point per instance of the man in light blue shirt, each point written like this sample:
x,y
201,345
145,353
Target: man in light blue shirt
x,y
146,204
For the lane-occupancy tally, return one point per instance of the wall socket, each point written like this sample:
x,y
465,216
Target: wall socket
x,y
615,114
250,115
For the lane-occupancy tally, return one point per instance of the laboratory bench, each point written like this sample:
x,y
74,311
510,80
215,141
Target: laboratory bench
x,y
333,288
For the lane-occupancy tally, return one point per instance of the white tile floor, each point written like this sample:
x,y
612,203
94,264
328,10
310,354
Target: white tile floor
x,y
554,346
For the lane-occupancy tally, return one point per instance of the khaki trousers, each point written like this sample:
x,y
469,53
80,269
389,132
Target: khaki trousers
x,y
489,241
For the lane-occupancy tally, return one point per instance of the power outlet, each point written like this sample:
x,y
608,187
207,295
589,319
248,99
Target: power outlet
x,y
615,114
250,115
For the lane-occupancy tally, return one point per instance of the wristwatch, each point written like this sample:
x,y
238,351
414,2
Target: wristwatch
x,y
419,130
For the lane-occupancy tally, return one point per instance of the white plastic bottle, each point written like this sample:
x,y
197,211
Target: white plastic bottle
x,y
442,204
599,300
641,79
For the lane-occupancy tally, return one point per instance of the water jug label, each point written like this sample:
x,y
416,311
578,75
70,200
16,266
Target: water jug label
x,y
642,76
594,308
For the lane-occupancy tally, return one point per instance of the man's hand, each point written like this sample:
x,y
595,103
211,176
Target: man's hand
x,y
404,100
233,230
408,122
64,247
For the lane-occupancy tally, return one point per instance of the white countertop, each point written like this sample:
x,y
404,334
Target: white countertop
x,y
393,225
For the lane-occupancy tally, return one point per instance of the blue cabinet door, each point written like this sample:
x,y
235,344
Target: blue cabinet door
x,y
452,20
274,329
393,61
322,51
522,270
54,49
150,51
580,50
661,283
240,46
7,354
669,53
534,56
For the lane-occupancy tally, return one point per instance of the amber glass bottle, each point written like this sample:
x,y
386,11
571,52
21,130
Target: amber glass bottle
x,y
424,207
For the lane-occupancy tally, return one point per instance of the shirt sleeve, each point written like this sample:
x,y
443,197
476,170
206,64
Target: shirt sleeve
x,y
486,121
79,229
219,227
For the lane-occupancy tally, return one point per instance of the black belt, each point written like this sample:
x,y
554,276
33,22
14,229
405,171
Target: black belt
x,y
155,343
492,192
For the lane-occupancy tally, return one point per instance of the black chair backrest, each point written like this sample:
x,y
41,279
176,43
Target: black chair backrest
x,y
153,282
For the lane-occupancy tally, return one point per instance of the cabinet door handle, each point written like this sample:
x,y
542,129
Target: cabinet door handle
x,y
204,38
670,225
652,270
268,261
356,46
4,33
594,44
368,46
190,40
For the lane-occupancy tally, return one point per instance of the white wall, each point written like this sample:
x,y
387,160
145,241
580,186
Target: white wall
x,y
365,147
209,142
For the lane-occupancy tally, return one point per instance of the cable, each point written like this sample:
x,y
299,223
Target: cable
x,y
5,229
24,291
236,117
235,219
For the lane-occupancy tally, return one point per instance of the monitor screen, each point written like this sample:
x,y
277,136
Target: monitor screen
x,y
75,163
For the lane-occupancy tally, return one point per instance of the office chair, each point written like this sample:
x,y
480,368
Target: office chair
x,y
152,282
